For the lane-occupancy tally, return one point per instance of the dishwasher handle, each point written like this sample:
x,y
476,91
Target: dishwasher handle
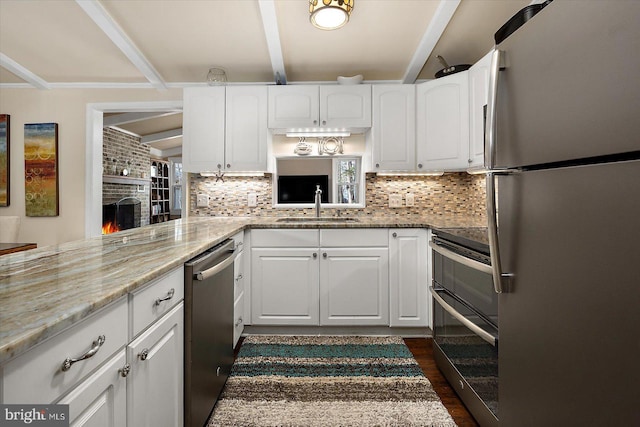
x,y
209,272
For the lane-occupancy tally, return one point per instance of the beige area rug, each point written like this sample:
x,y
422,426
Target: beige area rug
x,y
316,381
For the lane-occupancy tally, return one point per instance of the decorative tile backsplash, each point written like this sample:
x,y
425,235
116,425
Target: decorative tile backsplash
x,y
452,193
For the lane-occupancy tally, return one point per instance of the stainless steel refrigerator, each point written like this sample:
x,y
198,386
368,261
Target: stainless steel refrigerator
x,y
563,150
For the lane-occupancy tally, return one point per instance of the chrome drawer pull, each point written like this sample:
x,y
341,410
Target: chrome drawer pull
x,y
239,277
66,365
168,297
144,354
239,322
124,371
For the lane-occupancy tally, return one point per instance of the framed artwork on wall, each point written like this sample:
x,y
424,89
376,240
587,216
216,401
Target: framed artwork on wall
x,y
41,169
5,172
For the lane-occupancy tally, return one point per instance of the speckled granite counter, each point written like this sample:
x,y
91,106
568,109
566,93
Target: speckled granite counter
x,y
46,290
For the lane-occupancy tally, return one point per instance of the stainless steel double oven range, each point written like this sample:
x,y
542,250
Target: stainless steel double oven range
x,y
465,318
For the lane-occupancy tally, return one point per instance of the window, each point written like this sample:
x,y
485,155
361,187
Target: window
x,y
346,180
175,179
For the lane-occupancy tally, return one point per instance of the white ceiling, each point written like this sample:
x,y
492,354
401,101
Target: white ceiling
x,y
173,43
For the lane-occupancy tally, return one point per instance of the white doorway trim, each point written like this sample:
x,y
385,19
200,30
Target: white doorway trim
x,y
93,156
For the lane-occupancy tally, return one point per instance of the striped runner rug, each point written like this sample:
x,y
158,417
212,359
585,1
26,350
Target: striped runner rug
x,y
315,381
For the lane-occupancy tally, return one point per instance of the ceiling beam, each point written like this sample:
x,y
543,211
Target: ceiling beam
x,y
434,31
110,27
161,136
121,119
20,71
167,152
270,25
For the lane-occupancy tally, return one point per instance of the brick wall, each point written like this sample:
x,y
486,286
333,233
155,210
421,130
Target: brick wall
x,y
128,152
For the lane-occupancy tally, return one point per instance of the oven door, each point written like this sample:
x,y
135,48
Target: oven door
x,y
466,351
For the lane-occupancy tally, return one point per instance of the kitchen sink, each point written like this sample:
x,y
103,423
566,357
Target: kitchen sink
x,y
316,219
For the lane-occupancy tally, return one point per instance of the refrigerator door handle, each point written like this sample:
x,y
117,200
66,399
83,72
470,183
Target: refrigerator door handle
x,y
492,228
497,64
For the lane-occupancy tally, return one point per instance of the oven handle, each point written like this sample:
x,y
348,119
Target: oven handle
x,y
460,318
471,263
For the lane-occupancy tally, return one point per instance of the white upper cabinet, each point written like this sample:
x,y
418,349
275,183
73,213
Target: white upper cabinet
x,y
324,106
443,123
203,129
478,95
225,128
246,128
394,128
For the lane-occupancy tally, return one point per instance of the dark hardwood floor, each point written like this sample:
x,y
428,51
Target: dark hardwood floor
x,y
423,353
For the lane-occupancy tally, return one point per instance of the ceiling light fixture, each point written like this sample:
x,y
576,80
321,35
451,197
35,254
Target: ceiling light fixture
x,y
330,14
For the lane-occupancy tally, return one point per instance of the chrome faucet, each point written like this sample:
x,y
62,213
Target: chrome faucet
x,y
318,200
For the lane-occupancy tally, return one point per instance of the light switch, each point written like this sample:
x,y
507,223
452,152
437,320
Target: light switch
x,y
202,201
395,200
252,200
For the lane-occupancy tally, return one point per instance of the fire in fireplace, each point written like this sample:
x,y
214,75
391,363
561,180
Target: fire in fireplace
x,y
121,215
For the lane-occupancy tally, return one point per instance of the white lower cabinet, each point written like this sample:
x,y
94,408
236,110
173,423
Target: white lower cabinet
x,y
284,286
330,283
408,277
155,383
354,286
238,288
100,400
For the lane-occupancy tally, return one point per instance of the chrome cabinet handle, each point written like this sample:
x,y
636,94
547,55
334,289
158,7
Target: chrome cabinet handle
x,y
324,255
377,165
228,165
124,371
239,322
239,277
324,122
394,235
68,362
315,122
239,244
460,318
144,354
419,165
315,255
167,298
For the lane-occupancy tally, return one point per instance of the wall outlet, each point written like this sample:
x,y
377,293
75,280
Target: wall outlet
x,y
395,200
410,199
202,201
252,200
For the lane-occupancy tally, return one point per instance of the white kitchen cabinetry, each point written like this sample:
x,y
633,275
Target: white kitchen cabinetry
x,y
442,123
319,106
393,131
100,400
155,383
478,96
238,287
312,277
225,128
113,386
408,277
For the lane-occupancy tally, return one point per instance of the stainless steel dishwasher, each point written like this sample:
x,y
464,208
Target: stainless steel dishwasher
x,y
208,350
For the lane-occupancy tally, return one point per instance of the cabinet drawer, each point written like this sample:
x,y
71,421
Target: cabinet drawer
x,y
37,375
147,309
238,240
284,238
354,237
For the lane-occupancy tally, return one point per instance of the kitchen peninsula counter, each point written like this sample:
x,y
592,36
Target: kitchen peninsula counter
x,y
46,290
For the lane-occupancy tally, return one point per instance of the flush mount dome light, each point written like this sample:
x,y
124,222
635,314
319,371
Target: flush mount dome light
x,y
330,14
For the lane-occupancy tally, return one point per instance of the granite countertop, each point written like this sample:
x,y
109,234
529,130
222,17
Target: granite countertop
x,y
45,290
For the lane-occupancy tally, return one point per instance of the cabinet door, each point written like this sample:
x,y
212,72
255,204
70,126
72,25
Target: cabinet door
x,y
478,93
238,297
155,384
284,286
443,123
293,106
408,277
246,128
203,129
354,286
101,399
394,131
345,106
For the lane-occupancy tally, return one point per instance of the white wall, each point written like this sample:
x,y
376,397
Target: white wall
x,y
67,107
